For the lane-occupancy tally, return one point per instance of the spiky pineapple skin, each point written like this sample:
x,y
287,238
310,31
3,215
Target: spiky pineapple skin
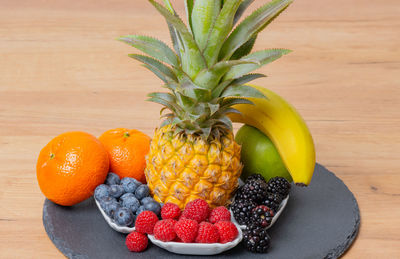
x,y
184,168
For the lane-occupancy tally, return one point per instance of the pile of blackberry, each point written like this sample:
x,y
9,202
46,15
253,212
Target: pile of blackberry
x,y
256,239
255,204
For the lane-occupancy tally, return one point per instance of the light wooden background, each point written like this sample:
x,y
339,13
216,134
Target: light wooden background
x,y
62,70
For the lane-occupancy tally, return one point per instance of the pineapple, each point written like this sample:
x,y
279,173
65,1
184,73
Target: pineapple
x,y
193,153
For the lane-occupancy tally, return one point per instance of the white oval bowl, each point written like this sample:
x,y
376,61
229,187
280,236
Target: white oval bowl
x,y
274,219
198,248
111,223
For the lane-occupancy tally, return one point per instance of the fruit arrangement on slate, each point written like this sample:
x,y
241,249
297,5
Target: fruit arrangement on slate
x,y
181,189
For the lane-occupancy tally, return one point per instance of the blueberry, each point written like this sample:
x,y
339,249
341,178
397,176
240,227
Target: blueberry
x,y
112,179
142,191
126,196
101,191
146,200
131,203
140,210
116,190
111,208
123,217
153,206
130,184
105,200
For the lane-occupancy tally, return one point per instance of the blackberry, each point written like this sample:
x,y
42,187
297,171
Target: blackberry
x,y
241,195
273,201
242,210
279,185
255,177
256,239
262,216
255,190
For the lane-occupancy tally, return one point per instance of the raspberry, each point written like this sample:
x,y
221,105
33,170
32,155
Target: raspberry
x,y
170,211
186,230
136,242
164,230
227,231
207,233
219,214
145,222
182,217
197,209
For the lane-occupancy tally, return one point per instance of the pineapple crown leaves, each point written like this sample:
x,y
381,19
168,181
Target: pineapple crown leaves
x,y
211,62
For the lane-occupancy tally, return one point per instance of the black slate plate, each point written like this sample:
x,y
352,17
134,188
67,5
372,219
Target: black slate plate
x,y
320,221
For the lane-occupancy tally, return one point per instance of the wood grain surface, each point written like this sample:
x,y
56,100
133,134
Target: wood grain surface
x,y
61,69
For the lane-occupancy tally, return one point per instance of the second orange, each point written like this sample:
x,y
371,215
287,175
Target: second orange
x,y
127,149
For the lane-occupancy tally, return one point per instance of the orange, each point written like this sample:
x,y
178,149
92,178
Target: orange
x,y
70,167
126,151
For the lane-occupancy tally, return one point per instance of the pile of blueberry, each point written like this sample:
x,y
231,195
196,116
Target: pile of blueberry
x,y
123,199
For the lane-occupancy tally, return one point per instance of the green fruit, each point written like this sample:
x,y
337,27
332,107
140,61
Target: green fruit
x,y
259,155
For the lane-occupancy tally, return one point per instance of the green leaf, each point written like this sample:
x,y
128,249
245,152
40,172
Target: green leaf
x,y
227,102
241,10
170,106
250,26
246,78
171,85
178,130
224,111
216,92
209,78
153,47
167,115
221,29
189,88
213,108
245,49
193,60
206,132
165,122
165,96
263,57
189,9
156,72
156,65
176,120
174,38
226,121
185,101
231,110
198,118
242,91
203,16
169,6
173,33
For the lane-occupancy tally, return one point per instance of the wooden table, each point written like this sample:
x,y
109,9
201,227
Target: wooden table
x,y
61,70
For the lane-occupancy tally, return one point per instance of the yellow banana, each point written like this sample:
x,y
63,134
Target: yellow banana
x,y
277,119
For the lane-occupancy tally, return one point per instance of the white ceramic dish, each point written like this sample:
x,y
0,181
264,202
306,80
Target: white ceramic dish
x,y
113,225
196,248
274,219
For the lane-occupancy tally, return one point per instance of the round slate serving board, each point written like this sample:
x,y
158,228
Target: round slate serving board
x,y
320,221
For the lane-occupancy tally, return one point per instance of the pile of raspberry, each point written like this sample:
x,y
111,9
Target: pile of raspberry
x,y
197,223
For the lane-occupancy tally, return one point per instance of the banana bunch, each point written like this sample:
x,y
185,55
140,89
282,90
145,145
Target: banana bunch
x,y
277,119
